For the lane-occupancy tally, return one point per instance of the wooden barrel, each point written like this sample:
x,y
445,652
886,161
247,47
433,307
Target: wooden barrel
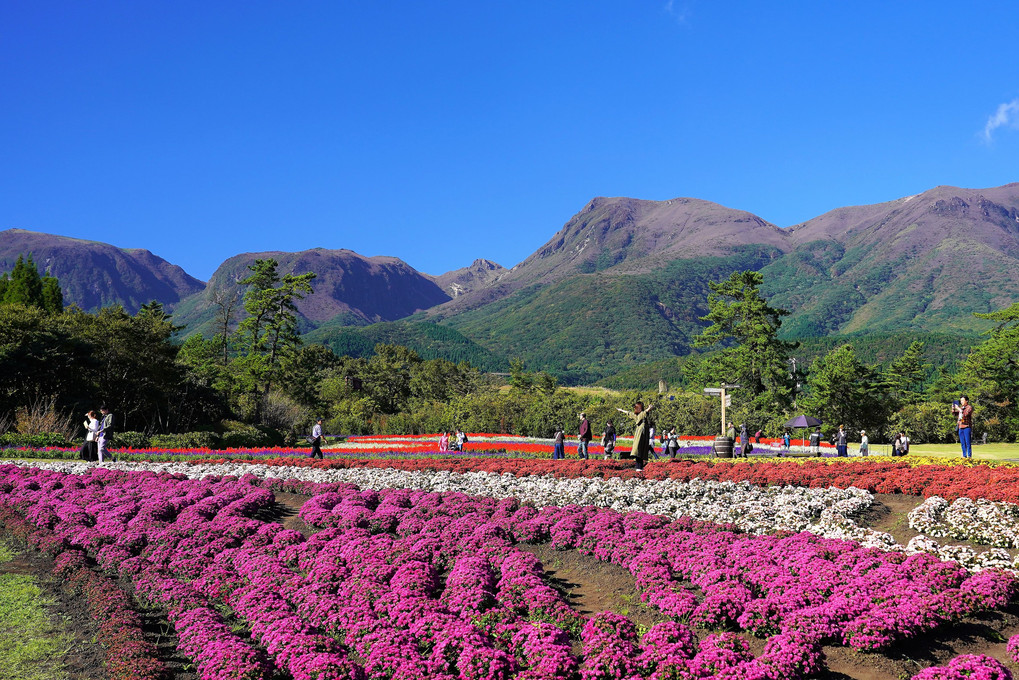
x,y
722,447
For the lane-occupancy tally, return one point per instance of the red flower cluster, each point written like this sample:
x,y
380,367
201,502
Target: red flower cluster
x,y
998,483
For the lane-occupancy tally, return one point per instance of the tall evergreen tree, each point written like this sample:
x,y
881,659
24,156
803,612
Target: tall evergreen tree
x,y
269,334
52,296
25,285
903,379
745,328
842,391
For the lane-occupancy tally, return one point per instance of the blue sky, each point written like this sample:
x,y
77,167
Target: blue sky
x,y
442,132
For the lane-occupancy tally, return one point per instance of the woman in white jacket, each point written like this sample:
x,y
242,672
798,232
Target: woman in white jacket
x,y
91,424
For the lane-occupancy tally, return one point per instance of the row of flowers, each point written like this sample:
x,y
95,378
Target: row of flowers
x,y
826,512
748,507
979,520
128,655
924,477
420,445
377,587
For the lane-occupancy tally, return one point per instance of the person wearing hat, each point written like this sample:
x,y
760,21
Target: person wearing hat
x,y
316,439
864,443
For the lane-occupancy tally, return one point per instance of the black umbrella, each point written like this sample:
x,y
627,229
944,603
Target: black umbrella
x,y
803,421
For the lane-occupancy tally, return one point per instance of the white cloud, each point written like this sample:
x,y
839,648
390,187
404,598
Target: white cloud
x,y
1007,115
679,11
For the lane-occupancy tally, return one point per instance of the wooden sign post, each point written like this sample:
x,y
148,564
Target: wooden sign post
x,y
726,398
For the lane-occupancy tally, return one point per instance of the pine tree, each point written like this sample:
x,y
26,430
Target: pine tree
x,y
841,391
904,378
25,285
269,333
52,296
746,327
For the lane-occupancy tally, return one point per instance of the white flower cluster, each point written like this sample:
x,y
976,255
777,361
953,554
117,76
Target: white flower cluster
x,y
980,520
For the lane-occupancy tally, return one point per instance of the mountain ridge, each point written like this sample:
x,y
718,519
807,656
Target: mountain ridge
x,y
924,262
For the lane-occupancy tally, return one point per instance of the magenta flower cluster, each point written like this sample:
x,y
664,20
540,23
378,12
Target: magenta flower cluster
x,y
406,584
967,667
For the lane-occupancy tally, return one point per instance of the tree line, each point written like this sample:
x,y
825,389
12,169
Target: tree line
x,y
257,372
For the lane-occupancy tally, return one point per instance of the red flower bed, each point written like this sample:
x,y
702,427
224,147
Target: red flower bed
x,y
948,481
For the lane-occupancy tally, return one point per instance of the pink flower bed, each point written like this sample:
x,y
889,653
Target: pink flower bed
x,y
405,584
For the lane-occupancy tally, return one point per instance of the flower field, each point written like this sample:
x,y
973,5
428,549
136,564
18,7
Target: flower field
x,y
416,566
410,446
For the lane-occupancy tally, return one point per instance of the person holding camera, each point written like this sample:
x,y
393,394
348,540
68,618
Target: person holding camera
x,y
963,411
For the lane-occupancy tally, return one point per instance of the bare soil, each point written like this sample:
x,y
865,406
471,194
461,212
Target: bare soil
x,y
591,586
285,510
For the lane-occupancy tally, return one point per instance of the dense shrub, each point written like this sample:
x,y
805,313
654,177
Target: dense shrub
x,y
239,436
186,440
130,440
32,440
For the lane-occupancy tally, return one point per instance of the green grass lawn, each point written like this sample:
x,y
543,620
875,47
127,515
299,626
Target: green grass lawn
x,y
31,644
991,451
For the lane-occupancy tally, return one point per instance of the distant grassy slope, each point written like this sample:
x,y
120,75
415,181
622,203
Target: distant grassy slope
x,y
588,327
429,340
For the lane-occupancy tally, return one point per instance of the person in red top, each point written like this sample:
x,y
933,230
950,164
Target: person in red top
x,y
964,414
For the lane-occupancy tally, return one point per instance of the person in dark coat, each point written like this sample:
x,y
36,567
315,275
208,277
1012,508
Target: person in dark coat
x,y
583,436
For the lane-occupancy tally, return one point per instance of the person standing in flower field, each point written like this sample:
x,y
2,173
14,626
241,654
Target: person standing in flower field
x,y
608,440
559,444
841,447
316,440
583,436
641,433
443,442
671,445
105,434
963,411
864,443
88,449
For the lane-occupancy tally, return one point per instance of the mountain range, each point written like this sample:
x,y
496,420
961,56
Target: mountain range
x,y
621,284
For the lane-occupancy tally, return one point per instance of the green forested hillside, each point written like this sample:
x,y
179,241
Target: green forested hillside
x,y
588,327
429,340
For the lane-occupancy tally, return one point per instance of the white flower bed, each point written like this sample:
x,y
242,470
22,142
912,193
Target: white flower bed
x,y
978,520
760,510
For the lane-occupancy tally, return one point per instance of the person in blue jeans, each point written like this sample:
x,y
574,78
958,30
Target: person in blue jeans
x,y
559,445
841,446
964,415
583,436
